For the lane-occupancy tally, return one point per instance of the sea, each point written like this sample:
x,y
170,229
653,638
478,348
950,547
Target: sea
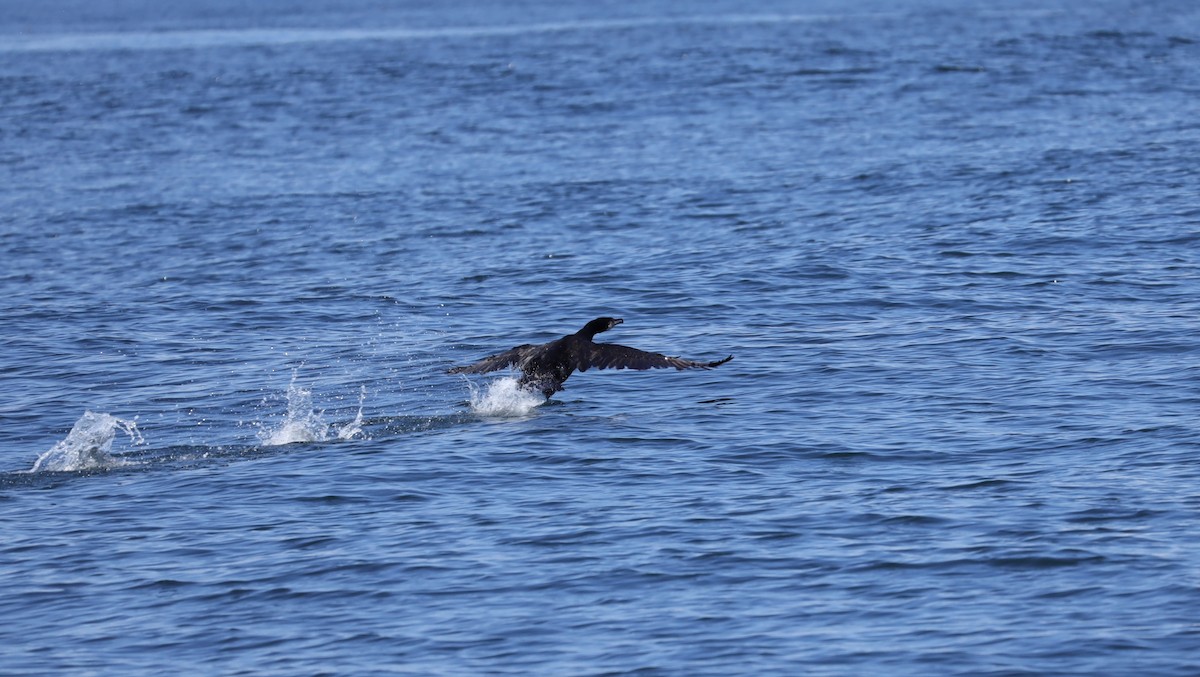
x,y
952,245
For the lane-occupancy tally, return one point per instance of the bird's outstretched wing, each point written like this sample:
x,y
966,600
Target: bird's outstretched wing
x,y
514,357
613,356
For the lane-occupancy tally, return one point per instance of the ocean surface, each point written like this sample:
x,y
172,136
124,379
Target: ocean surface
x,y
954,248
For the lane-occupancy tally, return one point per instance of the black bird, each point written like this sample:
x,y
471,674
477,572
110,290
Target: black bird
x,y
544,367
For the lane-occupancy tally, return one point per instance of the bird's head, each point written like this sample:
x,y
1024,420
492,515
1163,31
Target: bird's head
x,y
598,325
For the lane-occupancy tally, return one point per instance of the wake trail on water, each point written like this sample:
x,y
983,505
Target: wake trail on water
x,y
88,446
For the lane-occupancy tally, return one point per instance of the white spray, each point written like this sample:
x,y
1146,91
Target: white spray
x,y
302,423
88,445
503,397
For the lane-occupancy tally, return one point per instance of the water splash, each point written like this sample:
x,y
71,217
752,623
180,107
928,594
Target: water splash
x,y
303,423
503,397
88,445
354,427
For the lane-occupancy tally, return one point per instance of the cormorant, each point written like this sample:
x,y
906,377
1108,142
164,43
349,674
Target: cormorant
x,y
544,367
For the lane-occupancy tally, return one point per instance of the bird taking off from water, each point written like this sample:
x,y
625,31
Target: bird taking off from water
x,y
544,367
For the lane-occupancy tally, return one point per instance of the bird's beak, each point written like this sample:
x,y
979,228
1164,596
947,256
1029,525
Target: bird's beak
x,y
617,320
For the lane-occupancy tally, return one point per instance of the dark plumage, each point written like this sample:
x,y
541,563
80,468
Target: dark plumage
x,y
544,367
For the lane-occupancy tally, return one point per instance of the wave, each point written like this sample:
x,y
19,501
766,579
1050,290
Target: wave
x,y
259,37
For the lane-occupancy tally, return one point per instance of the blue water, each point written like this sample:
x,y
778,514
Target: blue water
x,y
954,247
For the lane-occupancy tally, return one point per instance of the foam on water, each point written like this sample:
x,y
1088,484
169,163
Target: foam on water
x,y
503,397
88,445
